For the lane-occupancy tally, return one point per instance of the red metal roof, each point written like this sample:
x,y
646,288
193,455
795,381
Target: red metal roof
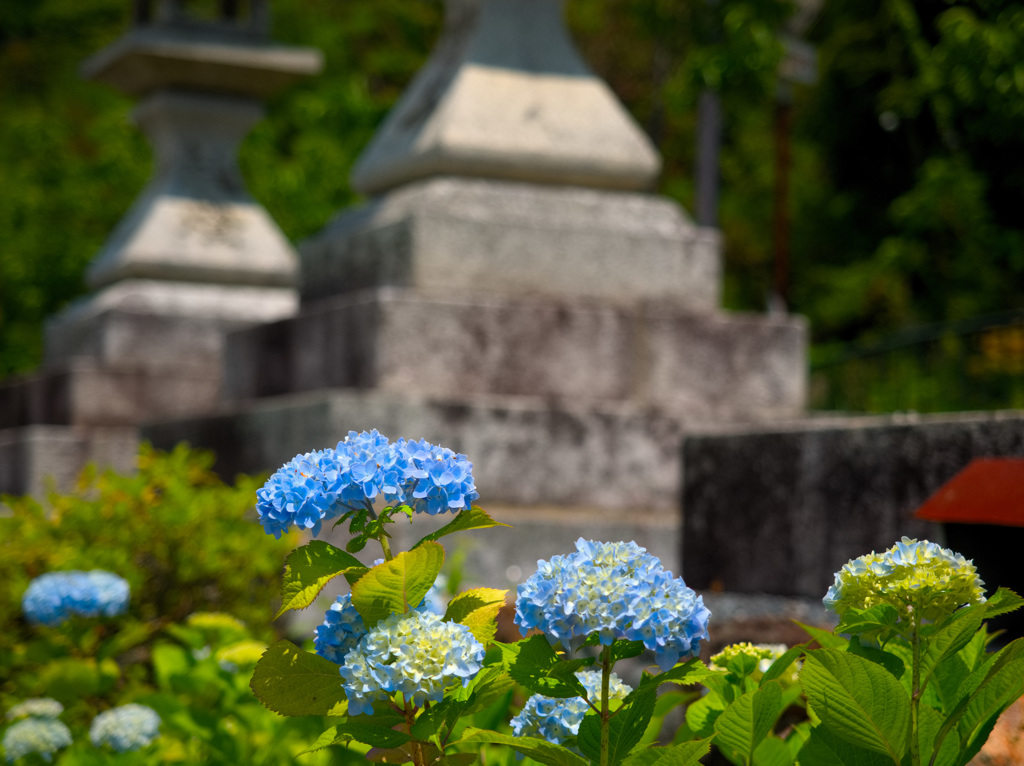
x,y
987,491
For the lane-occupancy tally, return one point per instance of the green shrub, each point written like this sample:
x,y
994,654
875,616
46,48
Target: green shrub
x,y
183,539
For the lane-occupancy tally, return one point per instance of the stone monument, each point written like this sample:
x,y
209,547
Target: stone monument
x,y
195,257
513,290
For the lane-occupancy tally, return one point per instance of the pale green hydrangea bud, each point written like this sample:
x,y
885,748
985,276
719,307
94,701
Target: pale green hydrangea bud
x,y
922,576
745,658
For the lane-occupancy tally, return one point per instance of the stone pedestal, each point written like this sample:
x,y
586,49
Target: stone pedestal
x,y
194,259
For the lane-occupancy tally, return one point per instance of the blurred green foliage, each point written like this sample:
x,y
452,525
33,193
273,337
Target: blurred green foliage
x,y
183,539
907,155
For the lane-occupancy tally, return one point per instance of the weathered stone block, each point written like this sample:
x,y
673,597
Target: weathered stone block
x,y
524,450
699,366
154,323
35,458
82,392
781,509
462,237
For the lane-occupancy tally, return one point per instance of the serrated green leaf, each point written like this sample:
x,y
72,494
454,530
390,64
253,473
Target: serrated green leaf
x,y
545,752
824,748
683,754
691,672
889,661
878,617
1002,601
533,663
624,650
625,729
368,734
857,700
440,718
950,639
470,518
982,690
702,714
478,609
748,720
309,568
489,685
782,663
825,638
929,724
1001,688
772,752
399,585
291,681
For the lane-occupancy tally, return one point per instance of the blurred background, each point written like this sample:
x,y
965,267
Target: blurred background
x,y
870,174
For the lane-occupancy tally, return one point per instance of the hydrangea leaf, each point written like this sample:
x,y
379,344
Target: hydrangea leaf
x,y
377,734
686,673
470,518
824,748
309,568
702,714
825,638
782,663
772,752
930,723
625,729
1003,600
487,688
291,681
858,700
398,585
534,664
439,719
888,660
880,617
950,639
478,609
683,754
748,720
539,750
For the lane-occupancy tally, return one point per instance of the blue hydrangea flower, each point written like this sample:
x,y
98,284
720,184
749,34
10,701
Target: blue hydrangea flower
x,y
38,707
417,654
55,597
932,579
44,736
125,728
318,486
340,631
616,590
555,720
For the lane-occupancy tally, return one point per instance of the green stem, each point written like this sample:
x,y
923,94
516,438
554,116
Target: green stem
x,y
606,672
915,696
386,548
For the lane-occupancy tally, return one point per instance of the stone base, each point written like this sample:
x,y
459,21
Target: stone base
x,y
781,510
525,452
37,458
697,366
154,323
82,392
461,237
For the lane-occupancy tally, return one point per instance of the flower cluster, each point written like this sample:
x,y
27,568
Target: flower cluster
x,y
38,707
417,654
322,485
41,735
340,631
616,590
555,720
933,580
125,728
754,660
55,597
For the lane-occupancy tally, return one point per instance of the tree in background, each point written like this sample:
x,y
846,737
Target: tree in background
x,y
907,157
